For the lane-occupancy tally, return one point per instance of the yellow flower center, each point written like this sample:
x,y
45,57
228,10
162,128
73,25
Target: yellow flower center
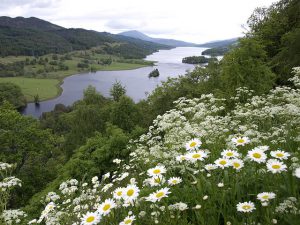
x,y
119,193
240,140
265,197
90,219
174,181
157,180
128,221
276,167
193,144
196,156
156,171
279,155
106,207
130,192
229,154
160,194
236,165
246,207
223,162
256,155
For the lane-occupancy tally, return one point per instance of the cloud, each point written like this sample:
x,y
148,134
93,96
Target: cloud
x,y
125,24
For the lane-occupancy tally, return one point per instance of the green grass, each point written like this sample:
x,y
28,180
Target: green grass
x,y
45,88
12,59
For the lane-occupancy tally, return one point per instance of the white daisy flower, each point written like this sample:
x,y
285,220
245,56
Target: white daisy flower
x,y
265,196
130,193
90,219
245,206
128,220
156,181
180,158
280,154
240,141
158,195
262,147
275,166
174,180
229,154
222,162
106,206
257,155
158,170
196,156
193,144
209,167
118,193
237,163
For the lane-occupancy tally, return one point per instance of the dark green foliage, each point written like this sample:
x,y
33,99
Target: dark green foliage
x,y
154,73
12,69
33,149
13,94
125,114
197,60
246,66
117,90
277,28
216,51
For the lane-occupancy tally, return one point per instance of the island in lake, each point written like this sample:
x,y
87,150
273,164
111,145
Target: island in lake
x,y
197,60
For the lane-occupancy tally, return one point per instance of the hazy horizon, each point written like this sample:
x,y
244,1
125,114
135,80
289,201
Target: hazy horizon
x,y
194,21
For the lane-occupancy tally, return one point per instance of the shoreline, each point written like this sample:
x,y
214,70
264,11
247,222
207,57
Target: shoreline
x,y
61,79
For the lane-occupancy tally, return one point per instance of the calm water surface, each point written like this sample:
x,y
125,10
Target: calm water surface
x,y
136,81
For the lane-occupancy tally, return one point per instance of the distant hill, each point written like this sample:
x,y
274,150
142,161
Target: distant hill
x,y
28,23
170,42
36,37
220,43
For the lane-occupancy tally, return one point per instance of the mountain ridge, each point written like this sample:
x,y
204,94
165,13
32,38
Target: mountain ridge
x,y
164,41
177,43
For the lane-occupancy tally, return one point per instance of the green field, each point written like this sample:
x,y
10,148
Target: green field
x,y
45,88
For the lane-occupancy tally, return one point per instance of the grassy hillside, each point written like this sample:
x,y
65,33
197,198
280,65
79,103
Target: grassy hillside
x,y
44,88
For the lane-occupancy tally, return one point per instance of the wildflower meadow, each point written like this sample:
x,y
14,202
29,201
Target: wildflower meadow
x,y
199,163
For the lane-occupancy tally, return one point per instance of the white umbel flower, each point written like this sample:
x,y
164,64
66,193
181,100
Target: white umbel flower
x,y
297,172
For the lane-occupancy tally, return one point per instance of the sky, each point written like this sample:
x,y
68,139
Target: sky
x,y
195,21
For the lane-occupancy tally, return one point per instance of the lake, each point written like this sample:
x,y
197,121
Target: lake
x,y
137,83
